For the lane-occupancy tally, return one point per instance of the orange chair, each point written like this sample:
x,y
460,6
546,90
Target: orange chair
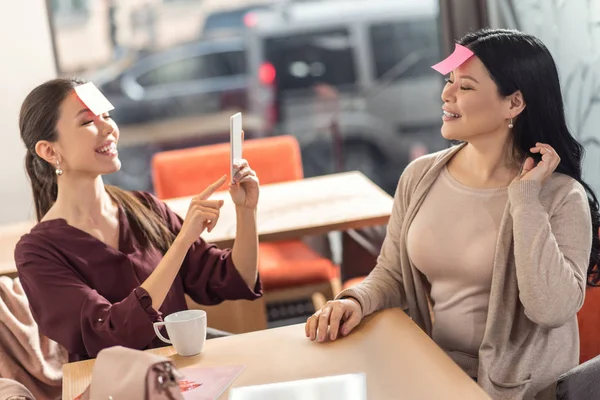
x,y
289,269
589,325
588,319
185,172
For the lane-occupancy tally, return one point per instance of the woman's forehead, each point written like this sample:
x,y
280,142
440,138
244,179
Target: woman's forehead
x,y
472,66
72,105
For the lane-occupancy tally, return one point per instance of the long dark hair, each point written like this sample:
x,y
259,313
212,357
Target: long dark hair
x,y
518,61
37,121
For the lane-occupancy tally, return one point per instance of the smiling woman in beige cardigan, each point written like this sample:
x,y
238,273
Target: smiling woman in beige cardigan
x,y
495,233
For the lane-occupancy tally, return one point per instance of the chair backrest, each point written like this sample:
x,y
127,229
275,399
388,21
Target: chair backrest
x,y
588,319
186,172
589,325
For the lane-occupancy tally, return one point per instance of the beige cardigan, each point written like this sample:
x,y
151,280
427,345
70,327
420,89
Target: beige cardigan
x,y
538,283
26,356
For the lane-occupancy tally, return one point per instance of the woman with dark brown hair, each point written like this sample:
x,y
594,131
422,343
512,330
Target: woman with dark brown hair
x,y
103,264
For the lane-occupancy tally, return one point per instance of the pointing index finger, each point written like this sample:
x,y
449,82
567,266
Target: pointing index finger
x,y
212,188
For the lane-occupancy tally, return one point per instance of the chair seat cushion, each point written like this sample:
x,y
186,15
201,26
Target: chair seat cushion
x,y
292,263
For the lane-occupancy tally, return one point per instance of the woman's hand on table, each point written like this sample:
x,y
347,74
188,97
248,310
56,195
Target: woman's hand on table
x,y
337,317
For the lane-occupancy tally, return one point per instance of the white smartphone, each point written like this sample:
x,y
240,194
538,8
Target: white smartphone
x,y
235,141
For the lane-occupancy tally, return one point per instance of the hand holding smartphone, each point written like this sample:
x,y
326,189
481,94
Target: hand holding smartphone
x,y
235,141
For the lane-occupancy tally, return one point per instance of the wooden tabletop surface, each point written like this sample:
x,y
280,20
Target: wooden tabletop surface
x,y
399,359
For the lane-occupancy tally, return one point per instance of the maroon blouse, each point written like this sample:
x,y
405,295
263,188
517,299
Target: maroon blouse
x,y
86,295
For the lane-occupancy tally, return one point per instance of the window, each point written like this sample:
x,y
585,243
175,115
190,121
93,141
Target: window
x,y
69,6
69,13
303,60
414,44
195,68
231,19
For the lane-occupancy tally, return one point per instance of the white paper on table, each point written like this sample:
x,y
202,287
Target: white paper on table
x,y
337,387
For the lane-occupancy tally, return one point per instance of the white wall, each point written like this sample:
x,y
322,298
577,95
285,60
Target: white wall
x,y
27,60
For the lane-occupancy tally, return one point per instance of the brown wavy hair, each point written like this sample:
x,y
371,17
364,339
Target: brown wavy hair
x,y
39,115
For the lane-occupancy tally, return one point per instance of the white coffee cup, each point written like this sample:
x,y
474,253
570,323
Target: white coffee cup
x,y
186,329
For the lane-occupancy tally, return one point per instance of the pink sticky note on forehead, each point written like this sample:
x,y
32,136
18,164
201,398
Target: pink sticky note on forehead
x,y
458,57
93,99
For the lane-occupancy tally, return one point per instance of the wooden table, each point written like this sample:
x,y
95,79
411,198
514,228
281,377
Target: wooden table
x,y
306,207
399,359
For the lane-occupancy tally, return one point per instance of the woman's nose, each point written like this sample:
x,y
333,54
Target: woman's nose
x,y
448,92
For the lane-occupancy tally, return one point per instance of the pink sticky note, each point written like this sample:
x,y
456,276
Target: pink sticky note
x,y
93,99
458,57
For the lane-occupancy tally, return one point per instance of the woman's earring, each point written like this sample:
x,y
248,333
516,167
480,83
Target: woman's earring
x,y
510,124
58,170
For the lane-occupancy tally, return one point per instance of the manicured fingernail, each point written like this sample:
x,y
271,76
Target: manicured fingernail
x,y
332,336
